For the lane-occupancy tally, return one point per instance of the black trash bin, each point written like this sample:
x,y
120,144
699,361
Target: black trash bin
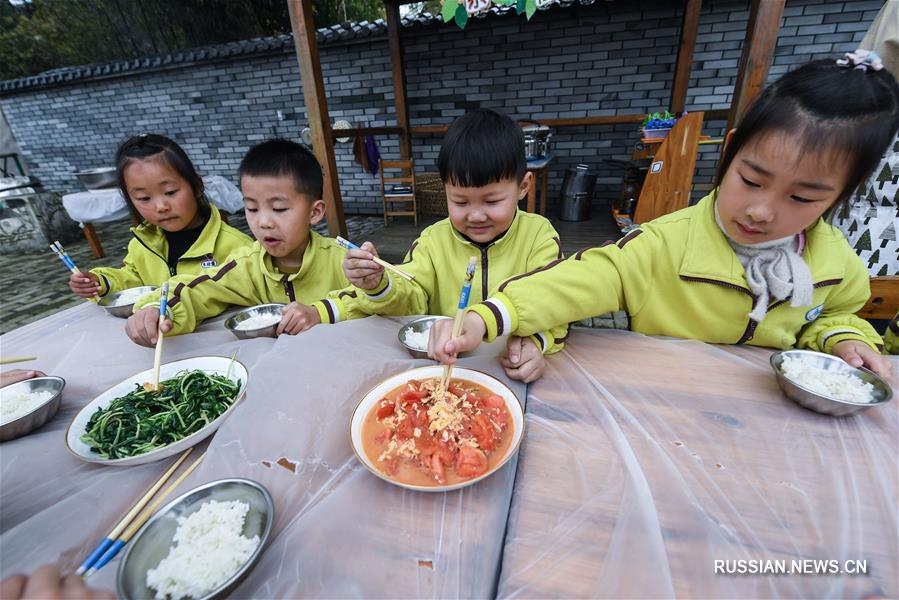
x,y
577,193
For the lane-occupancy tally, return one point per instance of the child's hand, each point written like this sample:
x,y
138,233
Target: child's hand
x,y
85,285
524,360
47,582
297,318
17,375
141,326
360,269
860,354
444,348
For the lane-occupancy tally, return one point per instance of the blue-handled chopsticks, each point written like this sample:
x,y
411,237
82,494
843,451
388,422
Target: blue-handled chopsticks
x,y
114,543
163,303
110,538
66,260
345,243
460,311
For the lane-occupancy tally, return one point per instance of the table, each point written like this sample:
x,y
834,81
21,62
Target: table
x,y
647,459
107,205
644,461
539,167
338,531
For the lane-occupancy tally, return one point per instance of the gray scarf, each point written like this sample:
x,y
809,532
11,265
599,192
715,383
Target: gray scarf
x,y
774,269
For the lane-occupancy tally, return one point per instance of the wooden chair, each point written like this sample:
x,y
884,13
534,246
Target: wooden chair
x,y
405,195
884,300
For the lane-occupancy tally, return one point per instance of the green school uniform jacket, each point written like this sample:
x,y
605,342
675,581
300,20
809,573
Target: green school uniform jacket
x,y
678,276
247,278
438,259
146,262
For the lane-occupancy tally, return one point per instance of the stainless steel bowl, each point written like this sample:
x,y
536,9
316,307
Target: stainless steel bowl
x,y
420,325
821,403
39,415
155,538
234,321
124,310
98,179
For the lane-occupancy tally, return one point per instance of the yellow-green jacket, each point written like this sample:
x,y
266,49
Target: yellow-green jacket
x,y
438,259
248,278
146,262
891,338
678,276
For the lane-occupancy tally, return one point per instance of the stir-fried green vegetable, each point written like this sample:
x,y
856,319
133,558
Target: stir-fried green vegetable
x,y
141,421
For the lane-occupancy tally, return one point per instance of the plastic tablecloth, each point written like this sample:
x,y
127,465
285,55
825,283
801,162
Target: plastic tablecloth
x,y
339,531
647,460
103,206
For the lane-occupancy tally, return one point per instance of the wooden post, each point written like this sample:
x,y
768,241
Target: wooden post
x,y
394,27
688,29
758,52
303,25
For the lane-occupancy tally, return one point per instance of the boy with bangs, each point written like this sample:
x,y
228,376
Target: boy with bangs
x,y
289,263
482,165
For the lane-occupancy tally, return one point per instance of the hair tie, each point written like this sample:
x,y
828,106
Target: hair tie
x,y
861,60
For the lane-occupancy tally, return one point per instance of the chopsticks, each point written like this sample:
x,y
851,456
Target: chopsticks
x,y
16,359
344,243
163,302
460,312
123,522
123,539
59,251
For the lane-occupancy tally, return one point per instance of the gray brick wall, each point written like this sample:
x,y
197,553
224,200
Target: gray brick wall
x,y
603,59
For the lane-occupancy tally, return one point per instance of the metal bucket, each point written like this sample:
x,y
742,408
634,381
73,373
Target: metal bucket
x,y
576,207
577,193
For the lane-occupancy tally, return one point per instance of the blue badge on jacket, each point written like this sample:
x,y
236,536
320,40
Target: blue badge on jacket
x,y
813,313
209,262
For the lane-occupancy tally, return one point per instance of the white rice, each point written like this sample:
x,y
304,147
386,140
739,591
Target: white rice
x,y
258,322
14,404
129,297
417,340
835,384
208,550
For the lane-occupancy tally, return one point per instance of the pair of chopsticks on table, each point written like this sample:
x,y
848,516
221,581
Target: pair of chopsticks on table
x,y
125,529
59,251
16,359
460,312
345,243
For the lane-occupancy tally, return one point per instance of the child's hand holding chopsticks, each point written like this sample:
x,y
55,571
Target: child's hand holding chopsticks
x,y
143,325
444,348
84,284
361,269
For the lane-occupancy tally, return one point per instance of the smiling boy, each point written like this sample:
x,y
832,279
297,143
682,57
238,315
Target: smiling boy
x,y
483,168
289,263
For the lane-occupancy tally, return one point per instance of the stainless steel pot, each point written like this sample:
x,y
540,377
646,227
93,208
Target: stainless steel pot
x,y
536,141
98,179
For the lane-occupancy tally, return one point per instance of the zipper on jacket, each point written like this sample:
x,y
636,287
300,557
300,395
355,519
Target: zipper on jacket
x,y
751,325
161,257
288,288
484,264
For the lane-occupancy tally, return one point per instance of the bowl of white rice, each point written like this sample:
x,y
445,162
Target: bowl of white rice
x,y
414,335
257,321
200,545
121,304
827,384
29,404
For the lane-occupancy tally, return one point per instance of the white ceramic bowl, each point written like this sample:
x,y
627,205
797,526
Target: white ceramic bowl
x,y
211,364
394,381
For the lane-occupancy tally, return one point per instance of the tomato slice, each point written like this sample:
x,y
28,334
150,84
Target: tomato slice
x,y
483,431
446,452
419,418
425,444
494,401
471,462
385,408
411,397
405,429
437,469
455,390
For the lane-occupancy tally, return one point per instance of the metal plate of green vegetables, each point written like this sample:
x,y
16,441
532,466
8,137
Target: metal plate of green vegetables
x,y
128,425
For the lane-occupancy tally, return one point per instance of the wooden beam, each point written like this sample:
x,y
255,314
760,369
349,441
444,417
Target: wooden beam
x,y
688,29
394,27
303,25
758,52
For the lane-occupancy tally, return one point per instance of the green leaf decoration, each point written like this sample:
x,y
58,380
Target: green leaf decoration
x,y
520,6
461,16
530,8
449,10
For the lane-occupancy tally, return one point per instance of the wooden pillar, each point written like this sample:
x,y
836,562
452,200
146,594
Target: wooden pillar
x,y
394,27
303,25
758,52
689,27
